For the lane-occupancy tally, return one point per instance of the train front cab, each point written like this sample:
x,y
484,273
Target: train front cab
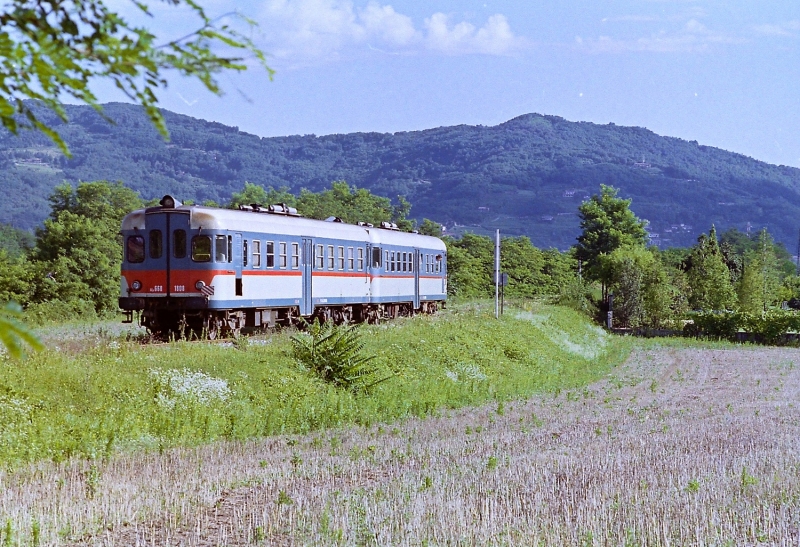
x,y
159,254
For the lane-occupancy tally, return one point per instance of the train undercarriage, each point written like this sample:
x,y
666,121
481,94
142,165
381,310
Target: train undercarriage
x,y
183,322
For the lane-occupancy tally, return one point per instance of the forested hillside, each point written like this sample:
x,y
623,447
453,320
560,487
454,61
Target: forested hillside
x,y
526,176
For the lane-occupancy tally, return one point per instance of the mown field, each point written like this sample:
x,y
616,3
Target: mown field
x,y
527,431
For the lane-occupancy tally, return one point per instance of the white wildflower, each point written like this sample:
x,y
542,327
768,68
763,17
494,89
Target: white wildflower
x,y
185,386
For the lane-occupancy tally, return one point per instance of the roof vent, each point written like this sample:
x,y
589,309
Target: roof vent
x,y
333,219
282,209
246,208
389,225
365,224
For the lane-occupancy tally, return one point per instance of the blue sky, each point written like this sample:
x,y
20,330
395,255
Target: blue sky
x,y
726,74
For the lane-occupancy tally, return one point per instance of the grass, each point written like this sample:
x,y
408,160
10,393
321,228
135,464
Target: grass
x,y
678,446
94,394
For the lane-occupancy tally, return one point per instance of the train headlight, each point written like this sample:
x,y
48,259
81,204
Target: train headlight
x,y
199,285
136,285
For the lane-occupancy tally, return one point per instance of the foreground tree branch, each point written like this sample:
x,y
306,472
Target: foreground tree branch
x,y
53,49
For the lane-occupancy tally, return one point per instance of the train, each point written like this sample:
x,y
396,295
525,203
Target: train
x,y
190,268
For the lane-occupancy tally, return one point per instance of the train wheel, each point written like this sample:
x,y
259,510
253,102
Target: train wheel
x,y
212,327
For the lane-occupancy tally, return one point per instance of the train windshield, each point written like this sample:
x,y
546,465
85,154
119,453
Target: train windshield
x,y
135,249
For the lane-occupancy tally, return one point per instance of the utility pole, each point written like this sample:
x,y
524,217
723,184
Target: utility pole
x,y
497,275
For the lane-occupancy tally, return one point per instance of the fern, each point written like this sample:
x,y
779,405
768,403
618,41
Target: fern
x,y
335,354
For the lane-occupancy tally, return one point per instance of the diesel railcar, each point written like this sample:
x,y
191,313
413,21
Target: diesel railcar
x,y
219,270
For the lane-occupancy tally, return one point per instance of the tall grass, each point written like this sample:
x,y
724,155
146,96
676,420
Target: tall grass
x,y
115,394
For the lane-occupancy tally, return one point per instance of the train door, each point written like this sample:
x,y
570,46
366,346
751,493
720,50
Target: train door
x,y
237,262
415,266
165,272
307,265
178,255
368,273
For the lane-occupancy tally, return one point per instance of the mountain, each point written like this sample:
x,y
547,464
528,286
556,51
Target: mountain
x,y
526,176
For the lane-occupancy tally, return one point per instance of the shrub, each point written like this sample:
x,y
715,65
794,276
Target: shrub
x,y
59,311
768,328
335,354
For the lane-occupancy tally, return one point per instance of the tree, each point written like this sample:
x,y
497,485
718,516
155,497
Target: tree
x,y
15,278
430,228
708,277
759,286
469,265
51,49
624,270
607,223
79,250
15,242
253,193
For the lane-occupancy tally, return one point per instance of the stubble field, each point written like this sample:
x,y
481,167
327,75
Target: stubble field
x,y
678,446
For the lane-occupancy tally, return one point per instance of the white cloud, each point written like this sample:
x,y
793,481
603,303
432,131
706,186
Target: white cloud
x,y
789,28
387,25
695,12
494,38
307,29
693,36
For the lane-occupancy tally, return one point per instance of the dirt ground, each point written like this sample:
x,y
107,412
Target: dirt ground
x,y
679,446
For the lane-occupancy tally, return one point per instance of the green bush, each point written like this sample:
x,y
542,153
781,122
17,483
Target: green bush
x,y
60,311
768,328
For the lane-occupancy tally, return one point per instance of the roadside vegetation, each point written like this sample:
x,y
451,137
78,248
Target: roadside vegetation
x,y
89,400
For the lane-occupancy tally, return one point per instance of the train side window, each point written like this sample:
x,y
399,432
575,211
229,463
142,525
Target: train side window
x,y
270,254
282,246
201,249
156,246
179,243
361,259
244,253
410,262
350,259
320,257
256,253
376,257
134,249
331,258
230,248
427,263
341,258
221,247
405,262
387,264
392,263
295,255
